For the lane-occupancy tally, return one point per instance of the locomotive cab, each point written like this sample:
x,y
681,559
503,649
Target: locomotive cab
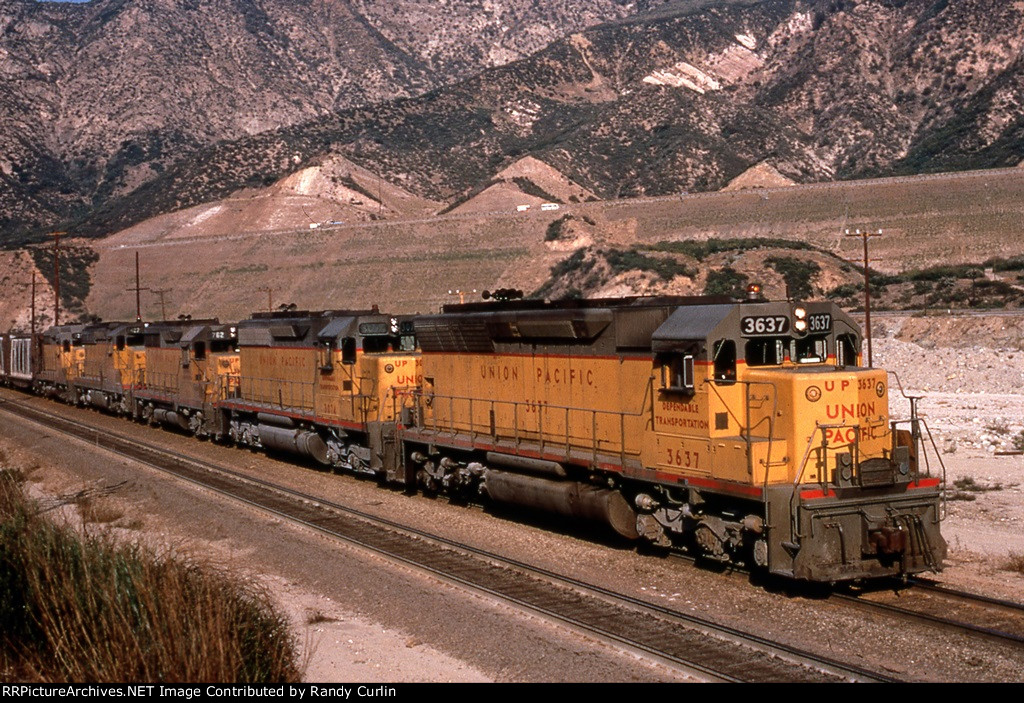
x,y
61,359
187,367
767,400
323,384
112,366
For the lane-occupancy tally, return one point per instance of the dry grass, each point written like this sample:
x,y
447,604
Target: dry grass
x,y
82,608
98,510
967,488
314,617
1015,563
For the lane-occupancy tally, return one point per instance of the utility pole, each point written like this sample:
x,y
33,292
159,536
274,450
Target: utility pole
x,y
33,327
163,308
138,290
56,277
867,285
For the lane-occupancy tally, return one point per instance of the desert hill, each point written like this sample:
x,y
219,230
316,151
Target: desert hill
x,y
685,97
635,246
99,98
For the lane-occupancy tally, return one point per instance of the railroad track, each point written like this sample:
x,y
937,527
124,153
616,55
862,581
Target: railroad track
x,y
694,645
930,602
948,609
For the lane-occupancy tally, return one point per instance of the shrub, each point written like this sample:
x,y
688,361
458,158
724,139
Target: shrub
x,y
555,227
797,273
632,260
700,250
1015,563
76,608
726,281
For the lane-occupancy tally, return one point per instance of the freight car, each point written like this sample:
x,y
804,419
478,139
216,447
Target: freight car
x,y
746,432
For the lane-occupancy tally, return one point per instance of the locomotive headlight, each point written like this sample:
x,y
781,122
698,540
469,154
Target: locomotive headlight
x,y
800,314
800,325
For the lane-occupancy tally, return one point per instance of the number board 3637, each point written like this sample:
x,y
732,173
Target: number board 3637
x,y
764,325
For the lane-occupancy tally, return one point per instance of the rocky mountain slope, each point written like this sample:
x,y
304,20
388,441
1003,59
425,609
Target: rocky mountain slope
x,y
99,98
685,97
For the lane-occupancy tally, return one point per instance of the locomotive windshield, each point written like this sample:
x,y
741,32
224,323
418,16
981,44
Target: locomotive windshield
x,y
774,351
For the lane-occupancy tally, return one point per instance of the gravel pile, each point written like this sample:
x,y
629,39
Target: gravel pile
x,y
970,372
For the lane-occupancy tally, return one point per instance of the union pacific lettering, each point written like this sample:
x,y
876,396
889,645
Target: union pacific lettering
x,y
271,358
499,372
406,372
849,410
565,377
848,435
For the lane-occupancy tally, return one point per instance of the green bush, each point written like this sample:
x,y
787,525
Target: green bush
x,y
621,261
726,281
700,250
798,274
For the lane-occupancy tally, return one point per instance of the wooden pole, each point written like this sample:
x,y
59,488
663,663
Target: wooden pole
x,y
33,324
138,291
867,287
56,277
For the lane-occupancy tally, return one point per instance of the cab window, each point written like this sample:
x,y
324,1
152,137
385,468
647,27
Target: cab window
x,y
810,350
348,350
846,350
677,373
725,361
765,352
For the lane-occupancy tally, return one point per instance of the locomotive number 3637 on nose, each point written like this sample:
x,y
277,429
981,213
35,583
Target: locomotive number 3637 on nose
x,y
764,324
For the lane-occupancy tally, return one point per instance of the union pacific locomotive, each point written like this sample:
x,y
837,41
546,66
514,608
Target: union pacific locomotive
x,y
745,432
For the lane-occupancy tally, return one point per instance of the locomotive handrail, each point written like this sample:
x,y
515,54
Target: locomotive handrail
x,y
794,497
938,456
543,438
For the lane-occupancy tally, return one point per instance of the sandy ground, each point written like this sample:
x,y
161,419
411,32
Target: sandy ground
x,y
972,400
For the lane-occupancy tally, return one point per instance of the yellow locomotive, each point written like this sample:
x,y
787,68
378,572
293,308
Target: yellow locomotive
x,y
747,432
323,384
184,373
743,431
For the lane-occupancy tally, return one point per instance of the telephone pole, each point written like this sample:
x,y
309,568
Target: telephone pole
x,y
138,290
56,276
163,308
33,324
867,285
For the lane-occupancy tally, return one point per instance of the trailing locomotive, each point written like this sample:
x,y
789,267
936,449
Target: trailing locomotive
x,y
746,432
